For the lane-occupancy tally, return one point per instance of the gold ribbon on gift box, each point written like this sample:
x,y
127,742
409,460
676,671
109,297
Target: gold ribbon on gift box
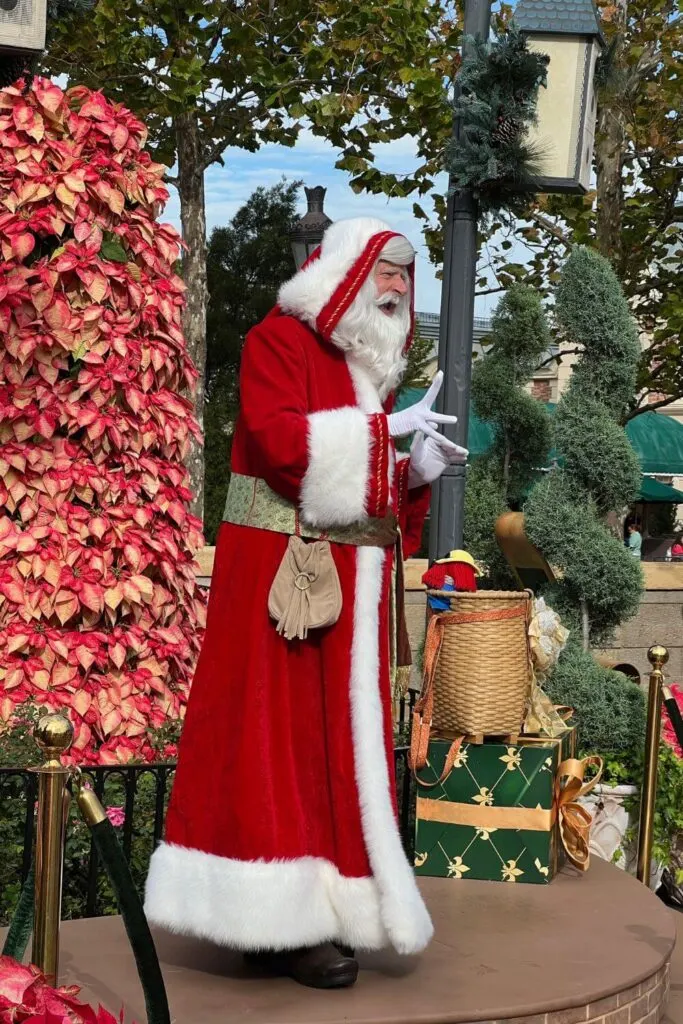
x,y
574,820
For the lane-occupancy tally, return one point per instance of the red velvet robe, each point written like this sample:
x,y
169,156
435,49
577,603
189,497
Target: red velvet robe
x,y
282,829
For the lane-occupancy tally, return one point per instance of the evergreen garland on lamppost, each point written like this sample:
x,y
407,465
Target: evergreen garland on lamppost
x,y
497,89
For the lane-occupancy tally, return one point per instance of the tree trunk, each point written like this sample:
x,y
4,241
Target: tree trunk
x,y
193,220
610,149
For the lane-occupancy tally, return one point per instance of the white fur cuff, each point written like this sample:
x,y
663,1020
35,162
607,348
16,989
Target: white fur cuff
x,y
335,488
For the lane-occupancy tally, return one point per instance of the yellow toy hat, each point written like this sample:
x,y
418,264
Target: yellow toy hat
x,y
460,556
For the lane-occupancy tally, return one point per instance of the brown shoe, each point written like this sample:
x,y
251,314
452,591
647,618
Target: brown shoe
x,y
345,950
320,966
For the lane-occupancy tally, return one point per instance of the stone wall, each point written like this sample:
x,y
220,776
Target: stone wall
x,y
642,1004
659,621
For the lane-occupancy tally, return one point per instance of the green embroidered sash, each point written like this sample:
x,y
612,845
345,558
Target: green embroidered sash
x,y
251,502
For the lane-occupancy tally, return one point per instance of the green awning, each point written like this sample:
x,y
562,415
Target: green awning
x,y
658,443
656,439
655,490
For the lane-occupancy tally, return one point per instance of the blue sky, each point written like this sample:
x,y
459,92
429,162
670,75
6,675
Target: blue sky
x,y
312,160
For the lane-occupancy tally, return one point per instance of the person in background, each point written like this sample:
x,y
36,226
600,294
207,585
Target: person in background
x,y
635,540
677,549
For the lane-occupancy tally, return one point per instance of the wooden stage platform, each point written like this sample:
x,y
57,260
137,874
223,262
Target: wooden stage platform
x,y
592,947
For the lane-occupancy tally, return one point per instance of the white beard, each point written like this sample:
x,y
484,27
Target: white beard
x,y
375,340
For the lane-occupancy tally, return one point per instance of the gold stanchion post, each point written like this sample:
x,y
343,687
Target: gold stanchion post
x,y
658,657
53,734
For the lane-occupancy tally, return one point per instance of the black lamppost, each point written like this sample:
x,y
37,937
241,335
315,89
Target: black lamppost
x,y
308,231
571,36
456,328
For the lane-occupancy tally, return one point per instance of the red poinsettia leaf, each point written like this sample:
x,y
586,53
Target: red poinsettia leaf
x,y
75,182
23,245
120,136
114,596
63,674
65,195
15,980
95,424
92,596
48,95
58,314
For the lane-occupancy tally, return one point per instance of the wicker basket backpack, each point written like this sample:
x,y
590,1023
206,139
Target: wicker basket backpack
x,y
477,667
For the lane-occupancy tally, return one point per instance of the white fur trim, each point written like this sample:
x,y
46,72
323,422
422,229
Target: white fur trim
x,y
256,905
404,914
369,401
305,295
335,487
367,394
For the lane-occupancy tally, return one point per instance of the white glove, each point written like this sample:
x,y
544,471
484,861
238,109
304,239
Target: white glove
x,y
420,417
430,457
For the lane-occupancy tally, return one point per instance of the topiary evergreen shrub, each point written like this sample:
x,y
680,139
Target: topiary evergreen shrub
x,y
498,480
599,581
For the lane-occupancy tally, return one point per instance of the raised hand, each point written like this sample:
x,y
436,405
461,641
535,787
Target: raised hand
x,y
419,417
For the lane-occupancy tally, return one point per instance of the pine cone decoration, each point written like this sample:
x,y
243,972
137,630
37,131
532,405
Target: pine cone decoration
x,y
507,130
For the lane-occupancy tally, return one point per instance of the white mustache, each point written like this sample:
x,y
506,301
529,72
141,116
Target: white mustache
x,y
388,299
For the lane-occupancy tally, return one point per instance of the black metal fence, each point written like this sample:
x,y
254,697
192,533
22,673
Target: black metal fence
x,y
135,797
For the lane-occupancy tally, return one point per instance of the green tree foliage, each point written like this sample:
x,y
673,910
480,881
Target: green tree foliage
x,y
610,709
247,262
600,472
635,215
208,74
418,367
484,503
498,480
599,581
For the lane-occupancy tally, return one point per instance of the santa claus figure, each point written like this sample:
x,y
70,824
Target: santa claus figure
x,y
281,837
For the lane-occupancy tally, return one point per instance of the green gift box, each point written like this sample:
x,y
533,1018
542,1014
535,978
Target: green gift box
x,y
493,817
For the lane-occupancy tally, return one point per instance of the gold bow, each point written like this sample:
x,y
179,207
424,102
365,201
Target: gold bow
x,y
575,820
543,718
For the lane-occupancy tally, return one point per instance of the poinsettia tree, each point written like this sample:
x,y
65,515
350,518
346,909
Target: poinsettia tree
x,y
26,996
100,613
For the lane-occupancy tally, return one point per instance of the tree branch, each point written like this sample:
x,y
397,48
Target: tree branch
x,y
553,229
653,406
492,291
558,357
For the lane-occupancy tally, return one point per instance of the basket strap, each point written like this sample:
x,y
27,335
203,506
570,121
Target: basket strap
x,y
422,715
517,611
449,764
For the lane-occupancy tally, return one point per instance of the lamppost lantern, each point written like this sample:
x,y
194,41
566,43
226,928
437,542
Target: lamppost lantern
x,y
569,32
22,26
308,231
